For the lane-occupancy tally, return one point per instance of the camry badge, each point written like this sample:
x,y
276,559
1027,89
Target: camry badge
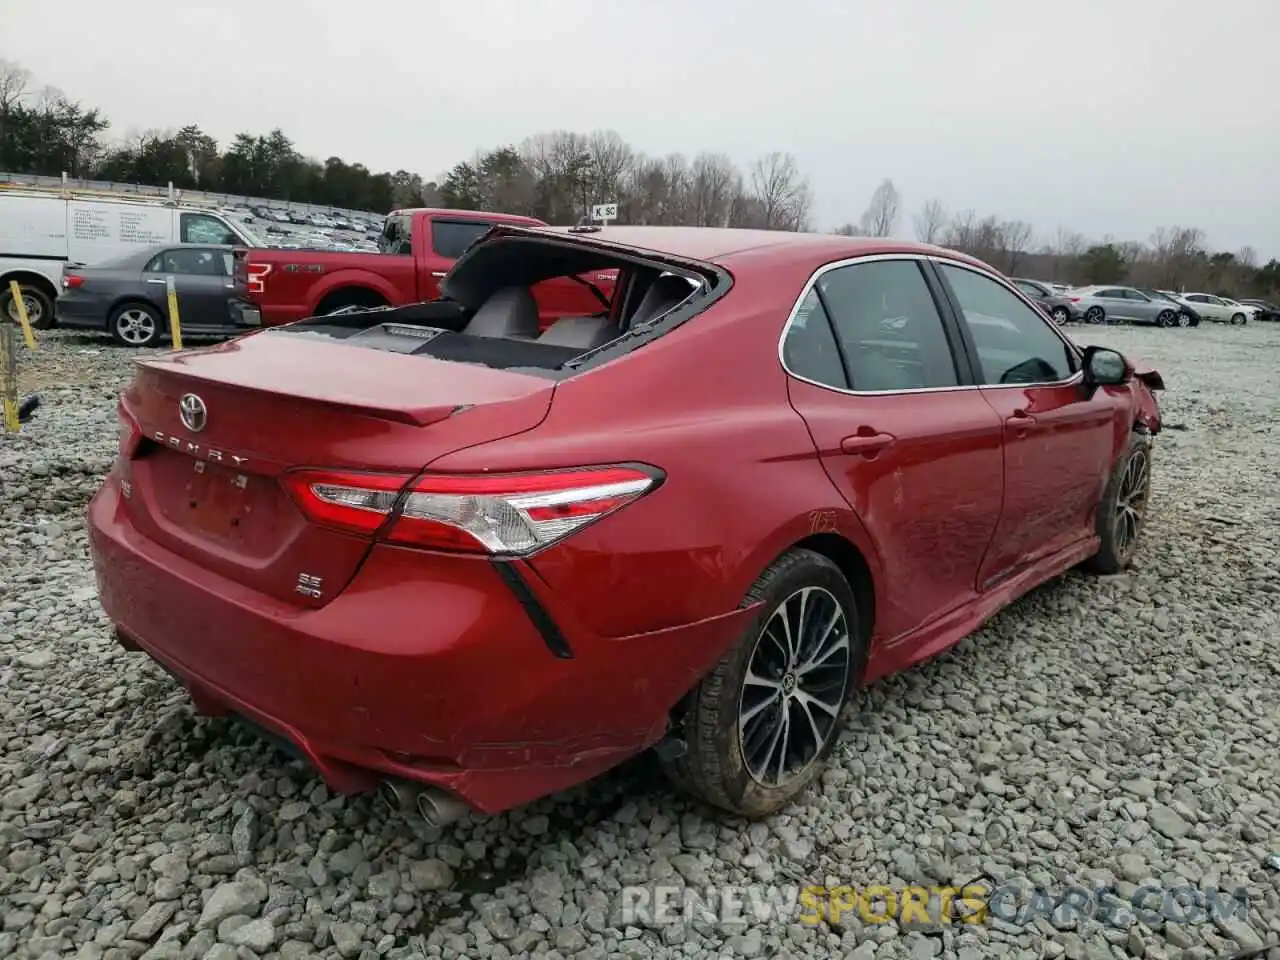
x,y
192,410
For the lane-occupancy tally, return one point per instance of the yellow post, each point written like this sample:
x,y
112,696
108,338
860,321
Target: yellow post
x,y
175,322
9,378
20,303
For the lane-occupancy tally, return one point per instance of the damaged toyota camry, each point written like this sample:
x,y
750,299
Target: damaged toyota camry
x,y
449,555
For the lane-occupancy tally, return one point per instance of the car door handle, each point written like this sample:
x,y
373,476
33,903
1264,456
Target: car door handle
x,y
866,444
1021,422
155,280
439,273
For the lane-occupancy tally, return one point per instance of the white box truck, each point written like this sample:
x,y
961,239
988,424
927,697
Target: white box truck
x,y
43,229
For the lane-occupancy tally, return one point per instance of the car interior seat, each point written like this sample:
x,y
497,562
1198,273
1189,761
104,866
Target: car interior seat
x,y
663,295
583,333
509,312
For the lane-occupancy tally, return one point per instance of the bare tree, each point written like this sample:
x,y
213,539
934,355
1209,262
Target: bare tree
x,y
881,216
713,184
1247,257
781,191
1014,238
848,230
611,156
1175,253
930,221
14,84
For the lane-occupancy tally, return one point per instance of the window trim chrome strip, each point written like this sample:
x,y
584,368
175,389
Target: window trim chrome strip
x,y
917,258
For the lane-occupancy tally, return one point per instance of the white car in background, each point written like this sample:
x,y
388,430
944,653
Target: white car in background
x,y
1218,309
1251,311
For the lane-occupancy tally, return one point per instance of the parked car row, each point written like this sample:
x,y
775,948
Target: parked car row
x,y
365,224
1111,303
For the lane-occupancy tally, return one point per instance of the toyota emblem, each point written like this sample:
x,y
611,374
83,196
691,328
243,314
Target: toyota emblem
x,y
192,410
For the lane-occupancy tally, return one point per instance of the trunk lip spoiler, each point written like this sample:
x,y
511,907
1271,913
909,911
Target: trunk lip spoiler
x,y
421,416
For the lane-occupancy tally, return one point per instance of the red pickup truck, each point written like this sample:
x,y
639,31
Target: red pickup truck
x,y
417,249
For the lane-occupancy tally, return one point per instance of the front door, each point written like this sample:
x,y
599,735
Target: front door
x,y
914,451
1058,442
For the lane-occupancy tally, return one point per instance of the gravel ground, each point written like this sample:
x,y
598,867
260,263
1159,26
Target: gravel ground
x,y
1115,731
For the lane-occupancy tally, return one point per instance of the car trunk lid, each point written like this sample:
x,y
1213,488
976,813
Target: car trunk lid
x,y
207,483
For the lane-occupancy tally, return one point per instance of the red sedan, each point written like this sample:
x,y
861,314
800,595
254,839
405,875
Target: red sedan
x,y
437,549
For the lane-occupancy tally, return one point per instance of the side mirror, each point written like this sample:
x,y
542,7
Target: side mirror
x,y
1104,367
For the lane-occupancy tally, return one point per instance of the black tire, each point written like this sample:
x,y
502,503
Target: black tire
x,y
717,765
1123,508
1185,320
39,306
1095,315
130,331
1237,319
1166,319
1060,315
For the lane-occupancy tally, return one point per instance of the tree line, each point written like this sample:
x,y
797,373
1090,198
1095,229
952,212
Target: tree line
x,y
556,177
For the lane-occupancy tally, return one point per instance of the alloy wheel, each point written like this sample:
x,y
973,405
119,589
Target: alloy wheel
x,y
136,326
794,686
1184,320
1166,319
1094,315
1131,501
1060,315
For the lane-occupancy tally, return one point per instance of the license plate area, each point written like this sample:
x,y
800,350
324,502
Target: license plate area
x,y
214,502
217,501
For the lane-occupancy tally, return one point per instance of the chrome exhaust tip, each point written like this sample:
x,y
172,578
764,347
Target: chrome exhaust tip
x,y
396,797
439,809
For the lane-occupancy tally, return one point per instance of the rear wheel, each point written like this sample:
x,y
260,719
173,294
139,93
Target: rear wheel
x,y
1237,320
760,726
1184,319
135,325
1122,511
39,306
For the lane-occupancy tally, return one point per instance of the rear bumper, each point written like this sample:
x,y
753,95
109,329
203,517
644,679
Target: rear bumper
x,y
80,313
422,668
244,315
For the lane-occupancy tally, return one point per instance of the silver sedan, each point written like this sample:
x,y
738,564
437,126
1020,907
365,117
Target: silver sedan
x,y
1113,304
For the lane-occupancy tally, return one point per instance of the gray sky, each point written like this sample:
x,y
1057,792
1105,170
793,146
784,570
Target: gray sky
x,y
1108,118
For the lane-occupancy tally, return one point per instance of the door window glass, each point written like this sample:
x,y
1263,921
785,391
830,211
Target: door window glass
x,y
203,228
809,349
890,331
1015,342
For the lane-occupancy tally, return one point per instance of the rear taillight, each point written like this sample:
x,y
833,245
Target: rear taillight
x,y
72,280
509,515
1075,299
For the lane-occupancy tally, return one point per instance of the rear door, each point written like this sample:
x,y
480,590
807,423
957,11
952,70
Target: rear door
x,y
203,280
1114,302
905,437
1058,442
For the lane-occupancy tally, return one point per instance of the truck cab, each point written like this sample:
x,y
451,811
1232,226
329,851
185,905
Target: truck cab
x,y
416,248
